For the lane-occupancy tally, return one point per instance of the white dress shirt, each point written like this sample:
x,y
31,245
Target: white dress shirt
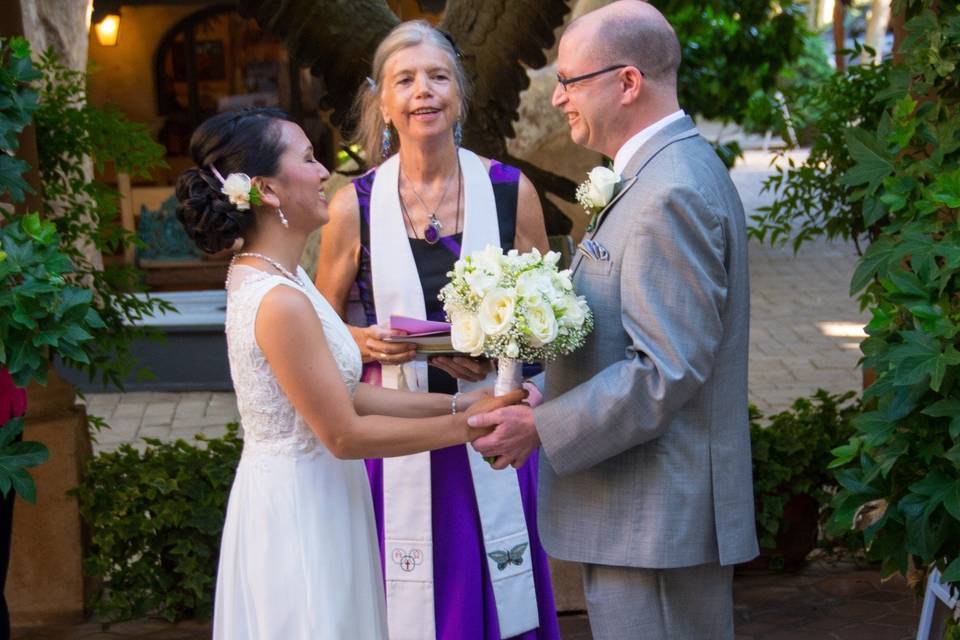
x,y
631,146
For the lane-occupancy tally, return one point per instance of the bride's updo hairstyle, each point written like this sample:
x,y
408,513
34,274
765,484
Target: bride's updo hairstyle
x,y
233,142
370,124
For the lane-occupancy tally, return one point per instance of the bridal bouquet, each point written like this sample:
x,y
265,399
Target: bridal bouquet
x,y
516,308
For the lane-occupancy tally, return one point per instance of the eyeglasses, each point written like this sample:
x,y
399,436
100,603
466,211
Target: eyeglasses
x,y
566,82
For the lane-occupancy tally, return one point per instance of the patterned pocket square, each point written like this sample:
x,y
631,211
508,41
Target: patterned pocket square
x,y
594,250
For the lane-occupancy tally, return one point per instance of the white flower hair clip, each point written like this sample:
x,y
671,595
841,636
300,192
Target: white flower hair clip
x,y
239,189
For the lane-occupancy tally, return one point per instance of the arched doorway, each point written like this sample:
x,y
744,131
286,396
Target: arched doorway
x,y
214,60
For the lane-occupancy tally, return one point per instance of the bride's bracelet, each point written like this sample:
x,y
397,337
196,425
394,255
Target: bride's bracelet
x,y
453,403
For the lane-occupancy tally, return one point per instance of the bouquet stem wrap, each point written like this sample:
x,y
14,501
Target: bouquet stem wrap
x,y
509,376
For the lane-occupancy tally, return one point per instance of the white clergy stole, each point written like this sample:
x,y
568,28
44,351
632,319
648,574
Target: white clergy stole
x,y
407,517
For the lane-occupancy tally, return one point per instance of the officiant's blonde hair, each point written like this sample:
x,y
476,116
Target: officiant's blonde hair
x,y
370,123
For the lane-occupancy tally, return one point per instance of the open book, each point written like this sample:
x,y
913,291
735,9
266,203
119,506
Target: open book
x,y
431,337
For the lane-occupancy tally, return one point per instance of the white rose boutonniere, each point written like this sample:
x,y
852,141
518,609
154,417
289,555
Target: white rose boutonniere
x,y
597,192
240,191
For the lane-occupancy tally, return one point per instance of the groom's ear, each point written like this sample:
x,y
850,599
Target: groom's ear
x,y
631,84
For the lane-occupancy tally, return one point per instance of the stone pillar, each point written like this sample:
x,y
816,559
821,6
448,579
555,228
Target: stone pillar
x,y
61,24
46,584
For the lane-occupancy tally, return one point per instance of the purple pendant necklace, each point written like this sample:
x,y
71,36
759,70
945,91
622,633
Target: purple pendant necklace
x,y
431,232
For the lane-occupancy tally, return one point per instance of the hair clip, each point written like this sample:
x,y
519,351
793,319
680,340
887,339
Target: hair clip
x,y
452,42
371,83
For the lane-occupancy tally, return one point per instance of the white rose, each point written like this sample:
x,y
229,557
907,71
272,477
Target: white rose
x,y
513,349
237,188
542,324
496,311
602,183
466,334
552,259
573,313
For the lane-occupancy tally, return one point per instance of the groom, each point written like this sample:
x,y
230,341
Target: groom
x,y
645,447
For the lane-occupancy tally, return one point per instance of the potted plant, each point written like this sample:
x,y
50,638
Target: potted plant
x,y
791,481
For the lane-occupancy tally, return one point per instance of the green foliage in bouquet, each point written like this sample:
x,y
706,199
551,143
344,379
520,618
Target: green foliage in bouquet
x,y
906,172
791,452
84,210
156,519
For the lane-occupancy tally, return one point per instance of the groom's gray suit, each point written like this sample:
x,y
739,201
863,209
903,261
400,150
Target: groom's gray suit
x,y
645,459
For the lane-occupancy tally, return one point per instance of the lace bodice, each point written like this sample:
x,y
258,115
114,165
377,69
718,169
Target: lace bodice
x,y
270,422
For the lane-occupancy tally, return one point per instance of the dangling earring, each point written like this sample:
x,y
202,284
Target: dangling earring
x,y
387,140
283,218
457,133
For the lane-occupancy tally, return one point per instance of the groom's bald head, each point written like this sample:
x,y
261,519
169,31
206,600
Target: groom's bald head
x,y
632,32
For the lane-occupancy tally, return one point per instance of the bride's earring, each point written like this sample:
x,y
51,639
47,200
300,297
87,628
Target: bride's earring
x,y
457,133
283,218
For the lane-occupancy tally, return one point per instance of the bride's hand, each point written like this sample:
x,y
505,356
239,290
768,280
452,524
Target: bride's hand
x,y
468,399
463,367
490,403
374,348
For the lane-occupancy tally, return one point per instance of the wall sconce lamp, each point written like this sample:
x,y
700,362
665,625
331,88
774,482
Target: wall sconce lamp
x,y
108,29
106,22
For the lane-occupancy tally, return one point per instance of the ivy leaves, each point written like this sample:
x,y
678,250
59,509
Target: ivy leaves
x,y
156,518
16,458
40,310
18,101
906,171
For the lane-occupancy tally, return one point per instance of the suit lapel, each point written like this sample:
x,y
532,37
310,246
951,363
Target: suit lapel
x,y
675,131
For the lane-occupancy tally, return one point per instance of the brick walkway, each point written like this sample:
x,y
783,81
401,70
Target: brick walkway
x,y
822,602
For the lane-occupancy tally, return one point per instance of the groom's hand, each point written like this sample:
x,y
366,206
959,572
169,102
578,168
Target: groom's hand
x,y
513,439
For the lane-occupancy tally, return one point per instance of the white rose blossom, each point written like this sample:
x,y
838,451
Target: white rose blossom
x,y
598,190
517,306
466,334
542,324
496,311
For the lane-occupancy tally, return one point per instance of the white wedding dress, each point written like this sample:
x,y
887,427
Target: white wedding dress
x,y
299,557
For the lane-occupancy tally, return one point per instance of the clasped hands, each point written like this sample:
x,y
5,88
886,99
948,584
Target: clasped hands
x,y
505,427
507,432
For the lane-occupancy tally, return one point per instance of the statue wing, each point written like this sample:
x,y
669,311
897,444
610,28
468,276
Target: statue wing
x,y
499,40
335,38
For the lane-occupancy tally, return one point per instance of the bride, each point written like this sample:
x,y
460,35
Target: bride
x,y
299,556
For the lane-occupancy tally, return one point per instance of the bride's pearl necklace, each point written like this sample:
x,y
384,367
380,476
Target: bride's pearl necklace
x,y
273,263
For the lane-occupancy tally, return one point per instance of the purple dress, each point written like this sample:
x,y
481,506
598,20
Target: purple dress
x,y
463,597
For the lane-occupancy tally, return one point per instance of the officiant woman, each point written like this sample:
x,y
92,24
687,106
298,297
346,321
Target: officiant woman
x,y
462,559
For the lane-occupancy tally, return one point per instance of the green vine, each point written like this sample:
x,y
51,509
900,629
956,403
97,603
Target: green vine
x,y
905,457
69,132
